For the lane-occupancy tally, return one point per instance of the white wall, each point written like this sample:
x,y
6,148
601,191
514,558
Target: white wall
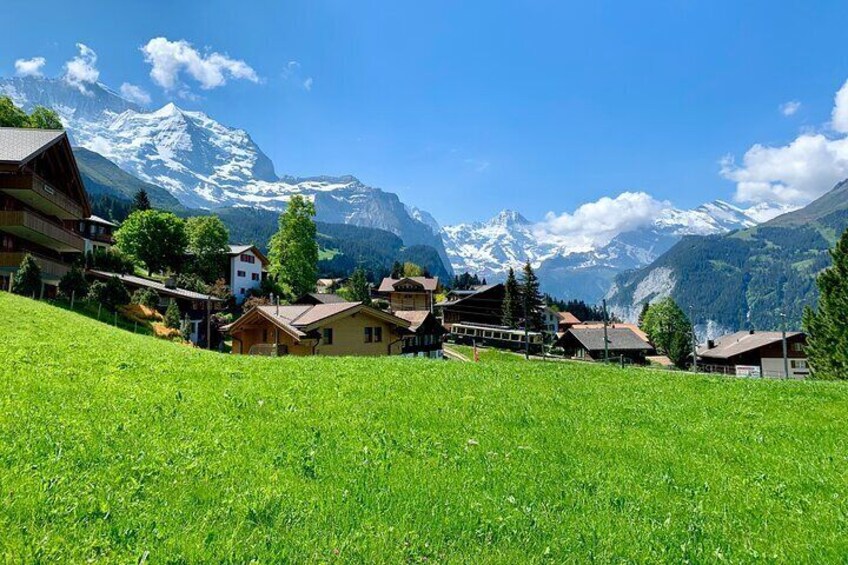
x,y
244,276
773,367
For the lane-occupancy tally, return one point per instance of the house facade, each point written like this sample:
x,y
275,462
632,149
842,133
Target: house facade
x,y
246,265
755,354
338,329
426,334
98,233
42,201
409,293
480,305
594,344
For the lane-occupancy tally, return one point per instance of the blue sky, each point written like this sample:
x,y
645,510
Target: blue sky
x,y
464,108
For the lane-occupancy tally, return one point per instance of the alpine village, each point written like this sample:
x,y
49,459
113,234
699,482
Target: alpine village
x,y
183,277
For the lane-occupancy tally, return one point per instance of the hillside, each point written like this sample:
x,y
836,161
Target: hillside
x,y
121,448
746,278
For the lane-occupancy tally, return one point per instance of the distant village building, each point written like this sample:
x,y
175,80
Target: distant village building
x,y
98,233
587,343
328,286
755,354
313,298
427,334
197,306
409,293
550,321
344,328
567,320
246,265
42,202
479,305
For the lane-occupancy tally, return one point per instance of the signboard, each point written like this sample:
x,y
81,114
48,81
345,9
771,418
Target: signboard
x,y
748,371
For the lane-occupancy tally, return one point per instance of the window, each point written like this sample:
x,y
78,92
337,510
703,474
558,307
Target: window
x,y
369,335
798,346
378,334
241,291
328,336
254,276
798,364
241,274
248,258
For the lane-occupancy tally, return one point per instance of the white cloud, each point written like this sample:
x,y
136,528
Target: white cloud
x,y
796,173
293,72
30,67
135,94
596,223
479,165
789,108
82,69
170,59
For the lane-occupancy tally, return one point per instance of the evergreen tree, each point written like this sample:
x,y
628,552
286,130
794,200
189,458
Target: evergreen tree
x,y
644,311
172,315
294,250
827,325
358,290
397,270
141,201
27,280
512,301
73,283
532,302
669,330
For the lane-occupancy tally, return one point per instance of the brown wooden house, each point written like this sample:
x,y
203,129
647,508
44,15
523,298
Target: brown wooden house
x,y
426,335
42,202
480,305
343,328
753,353
409,293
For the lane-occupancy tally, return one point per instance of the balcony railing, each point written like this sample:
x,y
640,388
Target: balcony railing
x,y
50,270
34,191
32,227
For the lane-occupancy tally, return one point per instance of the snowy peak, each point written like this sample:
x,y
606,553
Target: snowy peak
x,y
508,218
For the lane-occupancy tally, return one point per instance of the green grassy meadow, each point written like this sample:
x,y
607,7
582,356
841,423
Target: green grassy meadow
x,y
122,448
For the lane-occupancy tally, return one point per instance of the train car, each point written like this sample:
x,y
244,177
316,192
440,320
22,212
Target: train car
x,y
500,337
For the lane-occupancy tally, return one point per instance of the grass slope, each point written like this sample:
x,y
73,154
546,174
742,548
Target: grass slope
x,y
115,446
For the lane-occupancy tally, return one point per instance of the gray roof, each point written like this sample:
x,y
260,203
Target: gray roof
x,y
98,220
322,298
742,342
156,285
19,145
620,339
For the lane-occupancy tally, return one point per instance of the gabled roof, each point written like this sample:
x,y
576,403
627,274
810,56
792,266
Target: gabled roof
x,y
466,295
319,298
619,339
299,319
159,287
102,221
414,317
742,342
429,284
567,318
19,145
239,249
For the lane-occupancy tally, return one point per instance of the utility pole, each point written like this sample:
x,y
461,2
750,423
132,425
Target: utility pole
x,y
526,329
785,348
606,339
694,341
208,323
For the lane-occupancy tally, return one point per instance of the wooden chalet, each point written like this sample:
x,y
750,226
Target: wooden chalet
x,y
409,293
344,328
42,203
479,305
755,354
587,343
426,334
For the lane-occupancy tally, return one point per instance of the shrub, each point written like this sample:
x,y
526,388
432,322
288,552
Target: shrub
x,y
73,283
191,282
146,297
110,293
111,260
27,281
172,315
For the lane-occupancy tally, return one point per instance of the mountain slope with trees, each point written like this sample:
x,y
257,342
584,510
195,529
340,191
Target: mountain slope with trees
x,y
749,278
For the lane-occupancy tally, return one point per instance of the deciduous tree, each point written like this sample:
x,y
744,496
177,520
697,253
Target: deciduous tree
x,y
293,249
208,240
157,239
669,330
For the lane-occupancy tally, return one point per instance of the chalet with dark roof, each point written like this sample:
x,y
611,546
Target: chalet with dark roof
x,y
588,343
753,353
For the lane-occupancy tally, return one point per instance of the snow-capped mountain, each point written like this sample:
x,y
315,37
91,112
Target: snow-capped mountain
x,y
509,240
208,165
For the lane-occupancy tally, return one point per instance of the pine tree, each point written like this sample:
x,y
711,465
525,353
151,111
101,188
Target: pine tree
x,y
27,281
141,201
533,304
397,270
827,325
644,311
512,301
172,315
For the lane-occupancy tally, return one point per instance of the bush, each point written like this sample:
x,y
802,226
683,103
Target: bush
x,y
73,283
146,297
110,293
110,260
27,281
172,315
192,282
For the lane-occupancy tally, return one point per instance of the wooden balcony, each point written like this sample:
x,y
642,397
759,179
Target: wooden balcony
x,y
32,227
36,193
51,271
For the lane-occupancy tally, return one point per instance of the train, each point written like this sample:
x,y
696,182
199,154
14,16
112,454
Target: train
x,y
500,337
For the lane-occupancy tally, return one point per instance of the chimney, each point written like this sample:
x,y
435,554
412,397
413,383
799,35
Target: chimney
x,y
710,343
750,332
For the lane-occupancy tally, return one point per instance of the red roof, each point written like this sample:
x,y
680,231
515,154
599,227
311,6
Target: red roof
x,y
426,283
